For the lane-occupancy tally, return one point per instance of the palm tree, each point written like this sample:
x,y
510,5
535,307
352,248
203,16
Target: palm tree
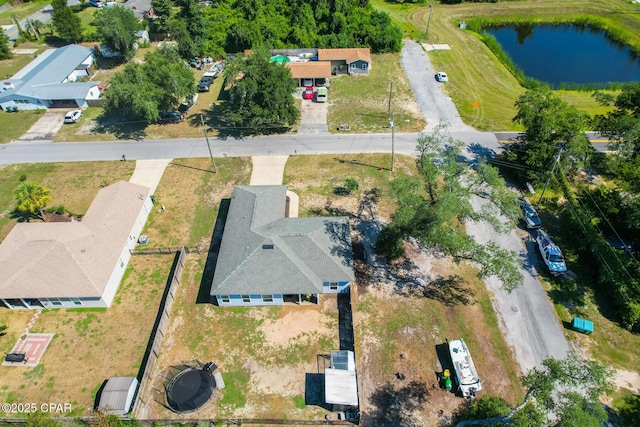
x,y
32,198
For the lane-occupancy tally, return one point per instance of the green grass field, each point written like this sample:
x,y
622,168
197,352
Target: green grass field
x,y
21,11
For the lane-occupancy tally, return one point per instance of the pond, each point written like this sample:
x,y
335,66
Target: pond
x,y
558,54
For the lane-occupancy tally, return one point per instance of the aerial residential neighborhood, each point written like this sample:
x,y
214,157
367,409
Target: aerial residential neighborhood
x,y
363,213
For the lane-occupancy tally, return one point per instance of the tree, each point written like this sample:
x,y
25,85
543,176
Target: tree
x,y
5,50
550,125
142,91
622,125
261,94
32,198
117,29
560,393
436,220
163,9
66,23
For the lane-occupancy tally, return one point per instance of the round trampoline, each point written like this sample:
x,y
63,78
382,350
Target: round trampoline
x,y
189,390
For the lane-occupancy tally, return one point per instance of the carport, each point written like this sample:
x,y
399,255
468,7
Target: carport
x,y
313,70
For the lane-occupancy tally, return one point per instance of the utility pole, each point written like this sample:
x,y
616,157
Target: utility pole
x,y
206,137
393,151
429,19
555,163
390,95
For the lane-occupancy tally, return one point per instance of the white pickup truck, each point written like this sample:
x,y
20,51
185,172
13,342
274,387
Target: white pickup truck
x,y
551,254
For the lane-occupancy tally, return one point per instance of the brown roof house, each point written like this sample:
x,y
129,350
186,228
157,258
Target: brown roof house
x,y
352,61
74,264
267,258
310,70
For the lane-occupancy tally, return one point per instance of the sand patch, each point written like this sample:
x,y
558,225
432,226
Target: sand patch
x,y
295,322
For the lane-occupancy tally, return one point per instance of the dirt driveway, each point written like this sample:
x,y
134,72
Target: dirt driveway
x,y
46,127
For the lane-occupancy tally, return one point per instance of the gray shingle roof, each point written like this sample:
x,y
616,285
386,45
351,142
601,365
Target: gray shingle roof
x,y
262,252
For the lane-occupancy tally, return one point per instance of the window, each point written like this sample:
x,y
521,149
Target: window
x,y
225,298
246,298
76,301
121,262
55,301
333,286
267,298
364,66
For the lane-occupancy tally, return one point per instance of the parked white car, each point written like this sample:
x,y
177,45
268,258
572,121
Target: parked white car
x,y
442,77
73,116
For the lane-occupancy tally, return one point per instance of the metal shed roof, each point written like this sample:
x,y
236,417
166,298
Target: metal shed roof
x,y
117,395
340,387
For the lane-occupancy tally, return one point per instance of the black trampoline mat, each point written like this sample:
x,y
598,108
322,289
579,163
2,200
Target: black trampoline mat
x,y
190,389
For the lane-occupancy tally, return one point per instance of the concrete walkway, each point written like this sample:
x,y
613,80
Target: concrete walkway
x,y
149,172
269,170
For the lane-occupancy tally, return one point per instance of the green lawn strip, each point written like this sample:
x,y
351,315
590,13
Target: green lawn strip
x,y
14,125
363,102
21,11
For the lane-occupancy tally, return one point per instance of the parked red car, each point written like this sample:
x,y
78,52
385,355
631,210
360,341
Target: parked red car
x,y
308,93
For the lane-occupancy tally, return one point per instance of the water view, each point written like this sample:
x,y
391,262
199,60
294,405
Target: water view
x,y
567,54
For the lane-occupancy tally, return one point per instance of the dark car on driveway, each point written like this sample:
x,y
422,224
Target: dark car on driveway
x,y
205,82
170,117
530,216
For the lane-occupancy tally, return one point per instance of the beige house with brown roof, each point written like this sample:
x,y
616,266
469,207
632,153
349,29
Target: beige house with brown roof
x,y
74,264
351,61
310,70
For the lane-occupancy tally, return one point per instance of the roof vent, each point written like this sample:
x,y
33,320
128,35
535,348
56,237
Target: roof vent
x,y
270,246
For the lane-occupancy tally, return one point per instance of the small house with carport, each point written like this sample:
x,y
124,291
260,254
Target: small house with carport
x,y
56,78
74,264
310,70
266,258
356,61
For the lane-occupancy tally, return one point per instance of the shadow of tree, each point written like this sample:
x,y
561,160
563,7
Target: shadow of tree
x,y
393,407
23,216
215,121
121,127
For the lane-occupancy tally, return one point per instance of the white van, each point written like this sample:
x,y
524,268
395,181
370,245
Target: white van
x,y
321,95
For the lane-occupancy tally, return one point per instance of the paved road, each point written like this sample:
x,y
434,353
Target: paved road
x,y
526,315
436,106
347,145
597,141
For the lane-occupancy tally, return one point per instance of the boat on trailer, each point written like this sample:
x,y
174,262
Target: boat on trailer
x,y
464,369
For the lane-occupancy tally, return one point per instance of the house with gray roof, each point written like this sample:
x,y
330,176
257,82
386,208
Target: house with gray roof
x,y
56,78
267,258
78,263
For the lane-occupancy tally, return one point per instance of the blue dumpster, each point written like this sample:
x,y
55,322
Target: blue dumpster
x,y
582,325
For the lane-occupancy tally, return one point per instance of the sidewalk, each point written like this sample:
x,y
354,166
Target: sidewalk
x,y
269,170
149,172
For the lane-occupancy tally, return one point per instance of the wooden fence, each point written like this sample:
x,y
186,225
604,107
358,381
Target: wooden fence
x,y
152,353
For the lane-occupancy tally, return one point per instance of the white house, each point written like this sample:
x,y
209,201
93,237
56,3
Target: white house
x,y
266,258
53,79
74,264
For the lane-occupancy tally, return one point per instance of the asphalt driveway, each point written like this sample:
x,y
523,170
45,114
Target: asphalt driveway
x,y
526,316
313,116
435,105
